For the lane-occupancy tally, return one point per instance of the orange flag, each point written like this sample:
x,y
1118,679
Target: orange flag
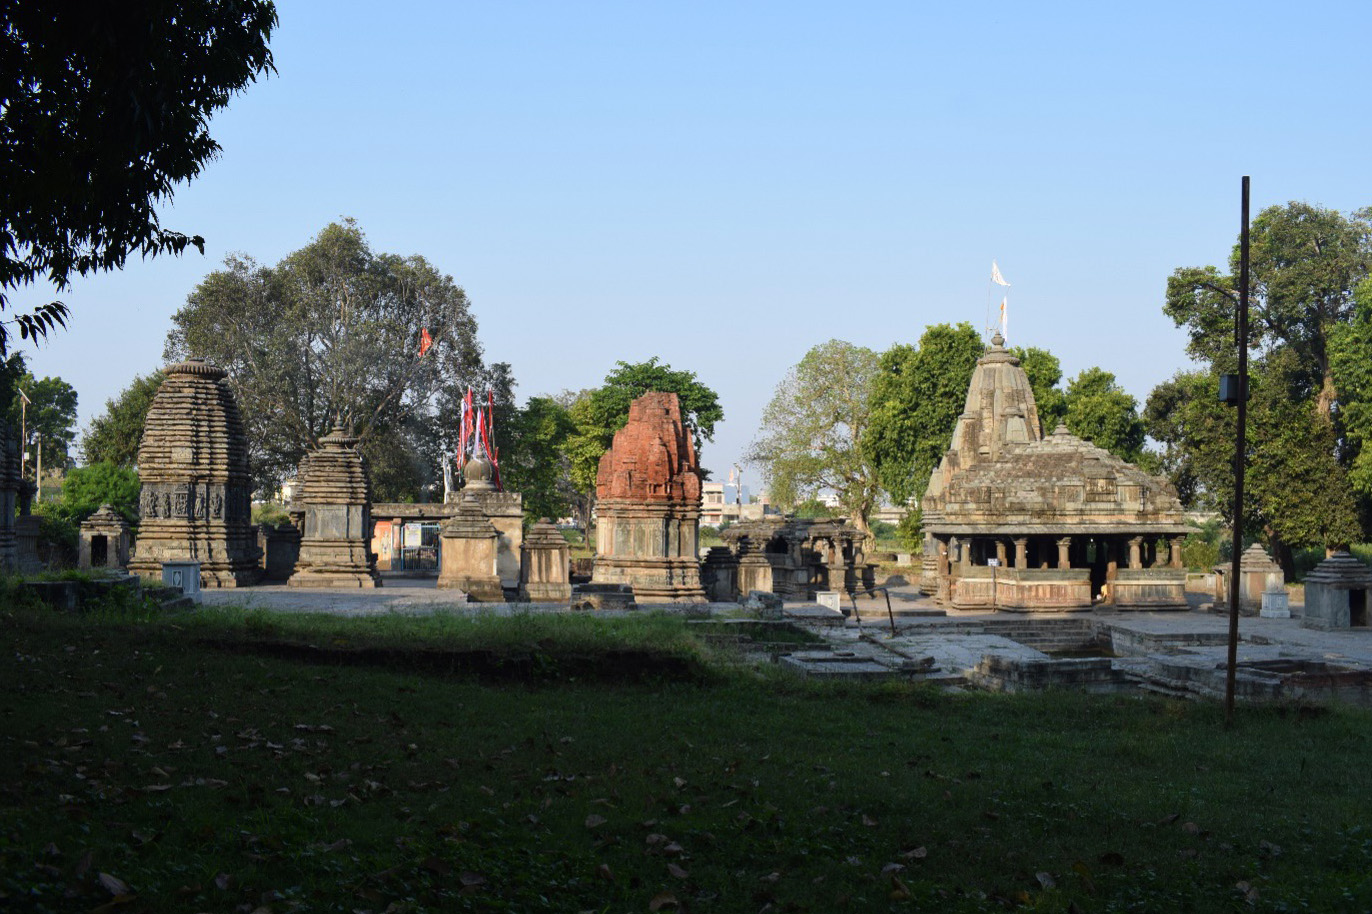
x,y
425,341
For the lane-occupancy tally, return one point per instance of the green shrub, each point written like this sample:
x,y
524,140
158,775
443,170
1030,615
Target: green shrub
x,y
87,488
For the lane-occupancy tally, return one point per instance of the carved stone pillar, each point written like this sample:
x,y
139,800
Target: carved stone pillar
x,y
1001,556
1175,543
1065,552
1136,552
1021,552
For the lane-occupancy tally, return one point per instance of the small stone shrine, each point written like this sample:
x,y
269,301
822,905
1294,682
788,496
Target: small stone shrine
x,y
196,501
1019,522
795,558
105,540
470,544
1336,593
545,565
1261,581
333,489
648,505
505,511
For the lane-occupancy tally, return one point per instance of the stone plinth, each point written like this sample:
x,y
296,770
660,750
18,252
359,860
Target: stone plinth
x,y
719,575
280,547
196,501
545,565
1336,592
334,491
603,596
468,561
1042,589
104,540
648,505
1150,588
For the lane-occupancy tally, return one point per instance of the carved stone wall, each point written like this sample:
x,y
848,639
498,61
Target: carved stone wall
x,y
196,501
648,505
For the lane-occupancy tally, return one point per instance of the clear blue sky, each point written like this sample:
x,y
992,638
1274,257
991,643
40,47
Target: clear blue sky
x,y
725,185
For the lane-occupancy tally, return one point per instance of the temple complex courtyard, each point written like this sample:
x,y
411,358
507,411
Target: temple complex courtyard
x,y
1180,653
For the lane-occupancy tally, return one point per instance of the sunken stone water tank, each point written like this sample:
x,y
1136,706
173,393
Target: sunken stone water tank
x,y
196,500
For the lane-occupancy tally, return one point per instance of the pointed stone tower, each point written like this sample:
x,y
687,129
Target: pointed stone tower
x,y
999,410
196,501
335,493
648,505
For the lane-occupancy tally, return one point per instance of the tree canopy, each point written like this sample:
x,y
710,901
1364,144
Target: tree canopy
x,y
1308,377
811,429
599,413
916,395
106,109
331,334
532,462
1098,410
114,435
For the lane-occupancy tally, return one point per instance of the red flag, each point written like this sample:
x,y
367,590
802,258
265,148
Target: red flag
x,y
425,341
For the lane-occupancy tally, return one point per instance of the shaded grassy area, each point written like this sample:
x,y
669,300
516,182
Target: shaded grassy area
x,y
144,762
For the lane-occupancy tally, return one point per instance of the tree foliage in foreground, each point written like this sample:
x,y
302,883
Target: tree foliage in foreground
x,y
87,488
811,429
331,334
105,110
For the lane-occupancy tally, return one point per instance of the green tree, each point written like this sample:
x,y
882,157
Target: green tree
x,y
105,110
1296,492
1309,384
48,419
1350,346
599,413
532,461
1100,411
87,488
1044,372
810,431
331,334
917,394
114,435
1306,263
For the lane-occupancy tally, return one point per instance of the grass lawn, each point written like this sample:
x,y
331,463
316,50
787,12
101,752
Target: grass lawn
x,y
219,762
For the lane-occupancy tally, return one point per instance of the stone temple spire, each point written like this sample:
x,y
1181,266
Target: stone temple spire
x,y
999,411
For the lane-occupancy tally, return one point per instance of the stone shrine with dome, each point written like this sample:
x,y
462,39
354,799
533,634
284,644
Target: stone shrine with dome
x,y
1016,521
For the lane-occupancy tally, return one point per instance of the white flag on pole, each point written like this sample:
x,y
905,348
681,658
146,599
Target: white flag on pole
x,y
995,275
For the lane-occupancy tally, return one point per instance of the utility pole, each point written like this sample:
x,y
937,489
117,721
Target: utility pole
x,y
23,431
38,476
1240,453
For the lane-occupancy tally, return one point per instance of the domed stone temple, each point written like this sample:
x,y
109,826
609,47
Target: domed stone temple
x,y
1017,521
196,500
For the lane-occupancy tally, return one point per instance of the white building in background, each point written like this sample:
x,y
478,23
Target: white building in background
x,y
727,501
